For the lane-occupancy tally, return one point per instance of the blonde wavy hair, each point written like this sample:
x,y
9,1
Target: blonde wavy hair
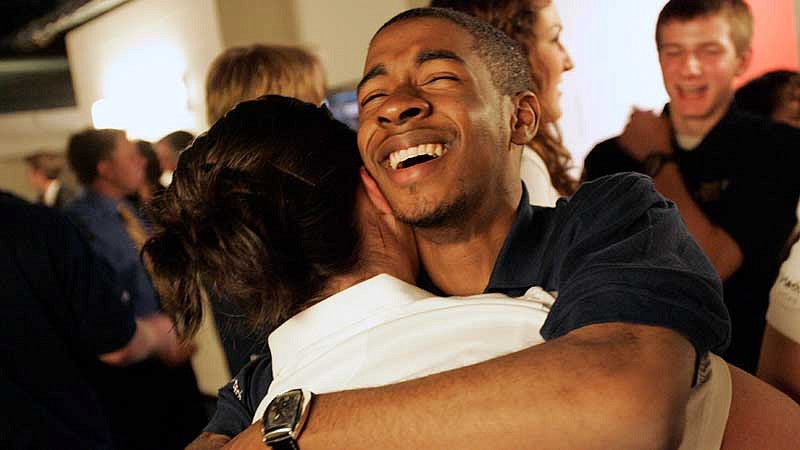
x,y
246,73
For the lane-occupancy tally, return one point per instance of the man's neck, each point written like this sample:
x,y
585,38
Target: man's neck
x,y
694,127
459,260
109,190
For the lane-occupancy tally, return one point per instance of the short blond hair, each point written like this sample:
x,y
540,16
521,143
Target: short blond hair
x,y
736,12
246,73
48,163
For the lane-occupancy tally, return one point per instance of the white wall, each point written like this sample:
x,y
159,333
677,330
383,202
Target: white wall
x,y
341,31
150,56
613,46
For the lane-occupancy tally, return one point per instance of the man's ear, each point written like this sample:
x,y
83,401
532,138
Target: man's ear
x,y
744,61
103,168
373,192
525,118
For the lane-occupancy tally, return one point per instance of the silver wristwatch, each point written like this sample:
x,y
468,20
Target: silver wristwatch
x,y
285,417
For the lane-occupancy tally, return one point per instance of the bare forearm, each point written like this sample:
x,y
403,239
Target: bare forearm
x,y
592,389
720,248
209,441
779,364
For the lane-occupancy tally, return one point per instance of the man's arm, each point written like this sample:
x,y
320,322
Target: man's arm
x,y
648,134
213,441
779,364
602,386
721,249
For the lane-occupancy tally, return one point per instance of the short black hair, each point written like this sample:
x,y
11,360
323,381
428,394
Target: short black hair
x,y
503,57
87,148
762,95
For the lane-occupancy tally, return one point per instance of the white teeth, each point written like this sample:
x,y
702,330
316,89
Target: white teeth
x,y
397,157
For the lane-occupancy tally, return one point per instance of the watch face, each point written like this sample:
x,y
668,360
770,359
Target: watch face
x,y
283,412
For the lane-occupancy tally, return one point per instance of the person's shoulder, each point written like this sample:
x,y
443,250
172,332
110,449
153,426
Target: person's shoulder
x,y
613,194
607,204
604,149
606,158
250,385
744,125
80,205
27,216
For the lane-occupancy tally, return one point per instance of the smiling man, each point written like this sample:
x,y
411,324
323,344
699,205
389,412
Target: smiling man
x,y
445,112
733,176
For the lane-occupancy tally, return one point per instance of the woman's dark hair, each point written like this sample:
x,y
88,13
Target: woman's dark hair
x,y
762,95
152,170
260,212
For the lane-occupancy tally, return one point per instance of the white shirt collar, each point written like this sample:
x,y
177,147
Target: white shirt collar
x,y
338,312
51,193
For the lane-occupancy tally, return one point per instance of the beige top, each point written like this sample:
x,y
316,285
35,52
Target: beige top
x,y
537,179
384,330
708,407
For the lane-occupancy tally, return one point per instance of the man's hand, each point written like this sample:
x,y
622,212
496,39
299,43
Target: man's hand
x,y
171,349
645,134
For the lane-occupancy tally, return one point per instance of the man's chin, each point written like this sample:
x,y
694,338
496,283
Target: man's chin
x,y
444,214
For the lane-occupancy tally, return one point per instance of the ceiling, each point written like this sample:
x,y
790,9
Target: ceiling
x,y
19,17
34,73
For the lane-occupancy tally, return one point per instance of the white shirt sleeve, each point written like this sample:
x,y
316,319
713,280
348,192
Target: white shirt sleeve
x,y
784,298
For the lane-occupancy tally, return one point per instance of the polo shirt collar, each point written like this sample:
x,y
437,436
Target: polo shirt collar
x,y
101,202
729,119
518,259
350,309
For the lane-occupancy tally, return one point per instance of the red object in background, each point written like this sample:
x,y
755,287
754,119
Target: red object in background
x,y
775,38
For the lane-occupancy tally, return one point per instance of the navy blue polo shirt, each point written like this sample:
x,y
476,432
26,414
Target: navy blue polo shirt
x,y
617,251
104,227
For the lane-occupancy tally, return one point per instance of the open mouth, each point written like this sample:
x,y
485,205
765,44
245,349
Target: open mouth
x,y
409,157
693,92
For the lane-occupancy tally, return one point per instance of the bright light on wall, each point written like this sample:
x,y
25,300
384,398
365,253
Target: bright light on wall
x,y
144,93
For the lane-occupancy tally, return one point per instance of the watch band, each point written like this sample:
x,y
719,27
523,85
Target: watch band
x,y
285,444
284,419
655,162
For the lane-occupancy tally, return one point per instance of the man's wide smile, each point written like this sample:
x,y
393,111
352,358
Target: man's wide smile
x,y
411,156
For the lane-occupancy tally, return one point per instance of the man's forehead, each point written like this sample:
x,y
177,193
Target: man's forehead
x,y
421,32
714,26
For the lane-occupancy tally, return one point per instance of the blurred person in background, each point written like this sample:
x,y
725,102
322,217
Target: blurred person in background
x,y
44,172
779,363
236,75
65,317
733,175
246,73
150,404
536,26
152,175
775,94
168,149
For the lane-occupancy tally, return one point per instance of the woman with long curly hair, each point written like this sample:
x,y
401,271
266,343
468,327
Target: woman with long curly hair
x,y
535,25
